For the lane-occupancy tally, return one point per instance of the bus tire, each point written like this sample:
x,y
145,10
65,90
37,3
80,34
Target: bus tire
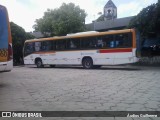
x,y
87,63
39,63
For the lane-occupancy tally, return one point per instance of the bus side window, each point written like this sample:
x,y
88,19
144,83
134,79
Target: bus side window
x,y
108,41
60,44
37,46
46,46
53,45
119,40
73,44
100,43
89,42
29,48
122,40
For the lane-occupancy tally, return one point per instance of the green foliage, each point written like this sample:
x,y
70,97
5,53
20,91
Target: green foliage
x,y
148,20
29,36
18,37
158,17
66,19
18,34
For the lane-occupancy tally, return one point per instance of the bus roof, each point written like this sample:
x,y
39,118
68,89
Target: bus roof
x,y
81,33
77,35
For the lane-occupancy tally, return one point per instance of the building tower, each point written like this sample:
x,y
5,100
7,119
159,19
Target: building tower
x,y
110,11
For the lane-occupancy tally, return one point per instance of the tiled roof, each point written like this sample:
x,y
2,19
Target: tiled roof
x,y
109,24
37,34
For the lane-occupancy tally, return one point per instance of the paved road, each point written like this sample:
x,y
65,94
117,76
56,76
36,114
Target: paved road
x,y
118,88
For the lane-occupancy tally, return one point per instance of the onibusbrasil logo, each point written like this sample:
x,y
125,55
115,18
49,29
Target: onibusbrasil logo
x,y
21,114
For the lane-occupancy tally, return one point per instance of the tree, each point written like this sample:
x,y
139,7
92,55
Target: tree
x,y
66,19
158,17
18,37
148,20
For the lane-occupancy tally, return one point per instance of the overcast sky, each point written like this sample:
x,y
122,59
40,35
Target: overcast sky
x,y
25,12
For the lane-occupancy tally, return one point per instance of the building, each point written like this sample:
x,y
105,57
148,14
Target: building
x,y
110,11
37,34
110,22
114,24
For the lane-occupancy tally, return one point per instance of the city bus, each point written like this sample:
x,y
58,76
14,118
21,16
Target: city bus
x,y
6,55
88,49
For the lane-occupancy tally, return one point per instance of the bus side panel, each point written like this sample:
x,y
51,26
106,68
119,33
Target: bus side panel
x,y
6,64
97,57
47,58
136,58
3,66
55,58
3,35
125,57
50,59
68,57
9,65
121,58
29,60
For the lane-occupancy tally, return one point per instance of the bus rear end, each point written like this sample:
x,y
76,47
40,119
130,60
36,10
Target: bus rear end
x,y
136,45
6,53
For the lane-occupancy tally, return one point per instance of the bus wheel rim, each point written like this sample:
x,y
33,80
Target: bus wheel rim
x,y
39,63
87,64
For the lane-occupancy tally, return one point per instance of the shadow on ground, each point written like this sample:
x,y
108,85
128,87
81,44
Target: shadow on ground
x,y
81,68
2,85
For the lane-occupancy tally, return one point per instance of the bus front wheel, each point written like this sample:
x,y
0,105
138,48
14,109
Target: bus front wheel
x,y
87,63
39,63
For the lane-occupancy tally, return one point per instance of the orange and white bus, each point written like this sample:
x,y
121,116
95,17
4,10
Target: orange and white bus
x,y
89,49
6,56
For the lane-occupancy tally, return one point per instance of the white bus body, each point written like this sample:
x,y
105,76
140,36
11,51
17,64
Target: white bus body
x,y
99,57
75,57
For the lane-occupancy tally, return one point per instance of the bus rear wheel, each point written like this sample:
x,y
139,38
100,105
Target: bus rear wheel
x,y
39,63
87,63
